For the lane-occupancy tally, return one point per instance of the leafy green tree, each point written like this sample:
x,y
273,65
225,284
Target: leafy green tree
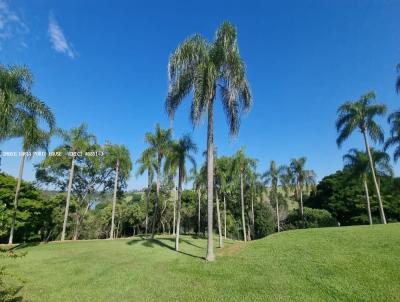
x,y
147,163
242,166
117,157
358,163
360,115
180,152
33,139
344,197
202,67
159,144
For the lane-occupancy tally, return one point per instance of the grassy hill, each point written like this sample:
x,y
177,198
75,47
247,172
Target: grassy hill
x,y
332,264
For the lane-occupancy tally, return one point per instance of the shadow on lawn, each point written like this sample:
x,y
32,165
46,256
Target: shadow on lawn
x,y
161,242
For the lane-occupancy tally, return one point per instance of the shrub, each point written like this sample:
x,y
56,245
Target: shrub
x,y
313,218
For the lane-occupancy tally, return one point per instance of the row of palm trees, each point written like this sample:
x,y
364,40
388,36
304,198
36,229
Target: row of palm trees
x,y
22,115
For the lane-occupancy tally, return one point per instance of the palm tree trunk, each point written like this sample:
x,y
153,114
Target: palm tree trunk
x,y
381,211
210,181
147,201
277,213
221,240
14,216
178,220
174,219
301,205
71,176
224,216
76,230
199,212
157,198
242,200
368,203
114,200
252,212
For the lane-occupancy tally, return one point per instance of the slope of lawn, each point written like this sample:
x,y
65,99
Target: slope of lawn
x,y
332,264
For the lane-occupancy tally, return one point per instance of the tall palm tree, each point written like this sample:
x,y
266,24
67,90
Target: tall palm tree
x,y
16,100
33,139
180,152
271,176
357,162
198,185
147,162
76,142
118,158
360,115
241,167
394,139
302,178
220,186
159,144
200,66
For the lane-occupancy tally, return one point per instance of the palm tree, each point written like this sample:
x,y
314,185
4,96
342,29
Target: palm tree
x,y
271,176
147,163
180,151
357,162
118,158
33,139
220,185
198,185
159,144
202,67
360,114
394,139
76,142
16,100
241,167
302,178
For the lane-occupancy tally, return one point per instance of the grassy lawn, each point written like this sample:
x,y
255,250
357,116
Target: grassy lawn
x,y
333,264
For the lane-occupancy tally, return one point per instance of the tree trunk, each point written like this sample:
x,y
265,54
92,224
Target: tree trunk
x,y
77,221
147,201
114,200
252,213
301,204
199,212
174,219
14,216
242,200
368,203
210,182
71,176
157,198
224,216
221,240
178,220
371,163
277,212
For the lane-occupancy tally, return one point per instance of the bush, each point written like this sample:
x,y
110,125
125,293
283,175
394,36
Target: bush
x,y
313,218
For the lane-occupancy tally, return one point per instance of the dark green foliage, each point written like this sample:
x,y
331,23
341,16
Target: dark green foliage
x,y
313,218
264,223
37,214
344,197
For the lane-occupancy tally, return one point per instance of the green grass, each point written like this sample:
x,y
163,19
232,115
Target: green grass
x,y
332,264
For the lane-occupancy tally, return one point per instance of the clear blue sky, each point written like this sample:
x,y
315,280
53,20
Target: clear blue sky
x,y
105,63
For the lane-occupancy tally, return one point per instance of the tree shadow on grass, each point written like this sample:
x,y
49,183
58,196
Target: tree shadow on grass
x,y
160,242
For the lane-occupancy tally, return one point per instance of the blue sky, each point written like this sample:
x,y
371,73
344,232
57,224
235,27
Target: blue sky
x,y
105,63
